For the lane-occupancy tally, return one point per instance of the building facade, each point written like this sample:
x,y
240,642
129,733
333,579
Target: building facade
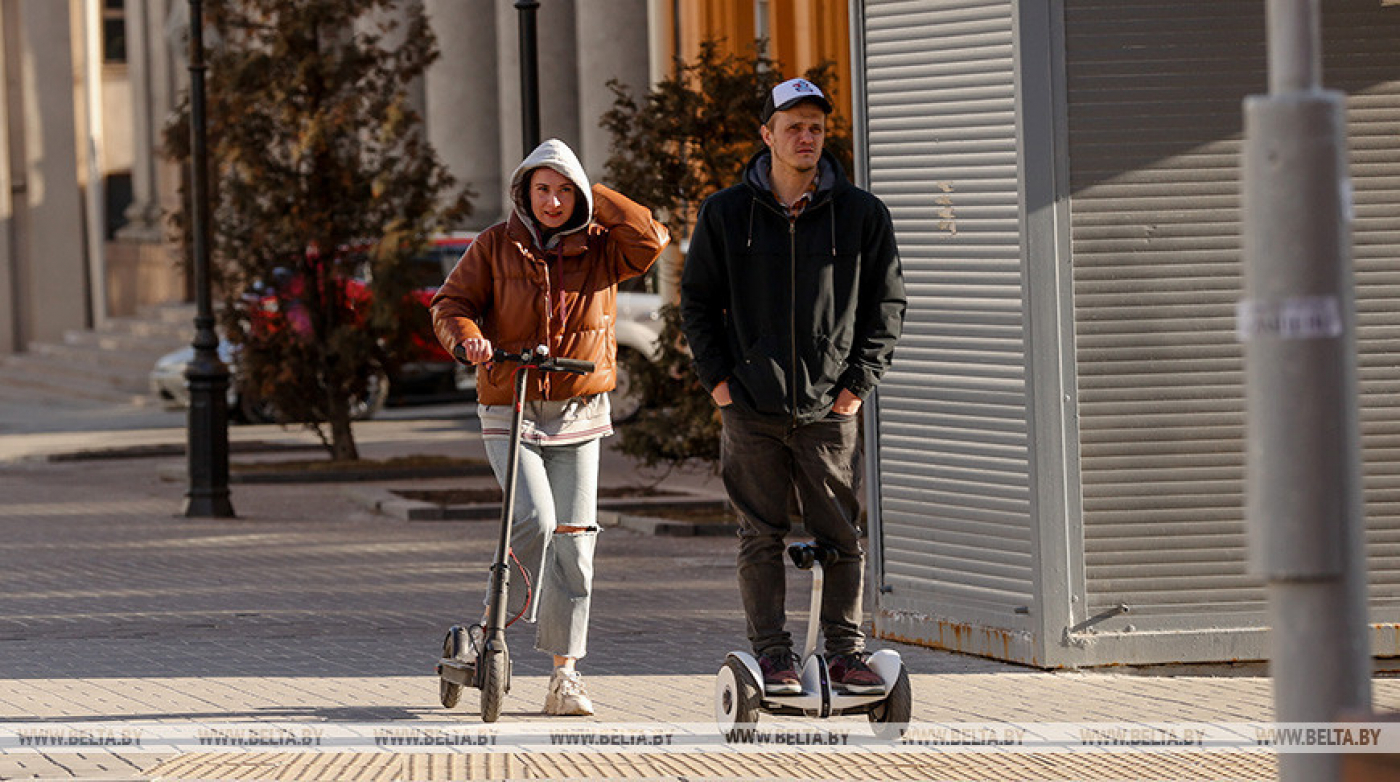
x,y
90,84
1061,441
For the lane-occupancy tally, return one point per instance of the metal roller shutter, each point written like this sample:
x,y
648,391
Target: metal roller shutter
x,y
1154,92
953,433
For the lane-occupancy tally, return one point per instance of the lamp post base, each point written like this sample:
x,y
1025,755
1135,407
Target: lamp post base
x,y
208,495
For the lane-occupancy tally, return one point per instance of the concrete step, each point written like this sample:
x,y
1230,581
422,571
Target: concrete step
x,y
169,321
131,378
138,361
122,343
179,313
37,379
110,364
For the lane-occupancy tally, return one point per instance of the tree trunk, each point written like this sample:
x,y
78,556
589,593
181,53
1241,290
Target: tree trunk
x,y
342,436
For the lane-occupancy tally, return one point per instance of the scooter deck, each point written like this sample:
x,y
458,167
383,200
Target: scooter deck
x,y
457,672
819,697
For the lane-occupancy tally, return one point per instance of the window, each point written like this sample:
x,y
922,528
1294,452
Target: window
x,y
114,30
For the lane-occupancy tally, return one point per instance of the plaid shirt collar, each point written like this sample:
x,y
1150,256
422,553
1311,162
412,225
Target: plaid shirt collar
x,y
761,176
803,201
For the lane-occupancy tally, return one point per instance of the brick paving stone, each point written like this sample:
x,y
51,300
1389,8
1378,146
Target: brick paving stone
x,y
308,607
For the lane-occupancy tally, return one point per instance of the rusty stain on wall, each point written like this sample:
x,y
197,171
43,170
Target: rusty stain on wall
x,y
936,633
947,217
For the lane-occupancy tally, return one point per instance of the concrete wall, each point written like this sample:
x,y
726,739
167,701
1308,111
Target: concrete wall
x,y
462,95
470,99
9,302
608,49
49,256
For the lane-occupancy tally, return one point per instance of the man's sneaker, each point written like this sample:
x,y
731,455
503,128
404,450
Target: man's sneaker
x,y
780,673
850,674
566,695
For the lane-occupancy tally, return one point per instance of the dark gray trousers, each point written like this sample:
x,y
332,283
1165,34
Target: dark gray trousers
x,y
764,463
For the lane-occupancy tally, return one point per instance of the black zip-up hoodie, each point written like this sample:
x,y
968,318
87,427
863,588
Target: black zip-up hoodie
x,y
792,311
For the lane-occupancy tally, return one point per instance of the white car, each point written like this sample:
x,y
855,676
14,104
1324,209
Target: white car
x,y
638,327
639,330
168,383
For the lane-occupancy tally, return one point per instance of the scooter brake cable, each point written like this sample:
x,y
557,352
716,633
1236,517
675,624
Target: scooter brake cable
x,y
529,590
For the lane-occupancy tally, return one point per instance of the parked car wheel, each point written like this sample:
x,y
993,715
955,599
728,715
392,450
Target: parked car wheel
x,y
252,410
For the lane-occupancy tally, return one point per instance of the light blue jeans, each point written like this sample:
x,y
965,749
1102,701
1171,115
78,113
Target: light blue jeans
x,y
556,485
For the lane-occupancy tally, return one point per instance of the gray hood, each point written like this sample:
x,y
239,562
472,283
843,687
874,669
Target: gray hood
x,y
554,154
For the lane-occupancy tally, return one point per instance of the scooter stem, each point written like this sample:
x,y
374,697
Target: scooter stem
x,y
815,616
500,568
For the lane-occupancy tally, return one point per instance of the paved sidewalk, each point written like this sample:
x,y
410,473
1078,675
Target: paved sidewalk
x,y
310,610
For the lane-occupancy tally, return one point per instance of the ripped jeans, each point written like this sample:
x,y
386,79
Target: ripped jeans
x,y
556,485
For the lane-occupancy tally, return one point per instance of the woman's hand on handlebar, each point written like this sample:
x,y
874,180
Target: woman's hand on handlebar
x,y
476,350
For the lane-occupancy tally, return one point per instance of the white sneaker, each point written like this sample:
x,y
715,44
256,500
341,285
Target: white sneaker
x,y
567,695
472,640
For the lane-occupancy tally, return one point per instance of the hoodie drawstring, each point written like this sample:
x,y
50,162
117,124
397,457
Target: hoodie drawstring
x,y
753,202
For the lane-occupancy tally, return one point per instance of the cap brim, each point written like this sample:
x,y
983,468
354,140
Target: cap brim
x,y
819,100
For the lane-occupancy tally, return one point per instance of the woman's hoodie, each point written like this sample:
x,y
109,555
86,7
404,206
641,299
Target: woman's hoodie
x,y
520,289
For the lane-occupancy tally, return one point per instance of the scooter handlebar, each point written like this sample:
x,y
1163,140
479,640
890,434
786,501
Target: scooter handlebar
x,y
540,359
575,365
804,555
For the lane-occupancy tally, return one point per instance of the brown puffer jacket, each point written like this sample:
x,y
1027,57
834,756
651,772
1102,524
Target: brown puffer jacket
x,y
507,289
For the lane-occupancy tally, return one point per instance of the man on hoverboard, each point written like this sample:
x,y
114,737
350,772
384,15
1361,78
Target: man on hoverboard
x,y
792,299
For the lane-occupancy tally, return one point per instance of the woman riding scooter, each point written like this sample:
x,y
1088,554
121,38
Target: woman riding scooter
x,y
548,276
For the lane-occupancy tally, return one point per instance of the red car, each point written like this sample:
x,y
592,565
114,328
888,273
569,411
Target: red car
x,y
426,368
428,372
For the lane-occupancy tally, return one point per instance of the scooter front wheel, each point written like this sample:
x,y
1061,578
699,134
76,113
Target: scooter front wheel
x,y
736,701
890,718
495,681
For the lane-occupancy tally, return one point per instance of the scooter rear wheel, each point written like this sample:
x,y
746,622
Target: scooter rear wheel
x,y
450,693
890,718
495,680
736,701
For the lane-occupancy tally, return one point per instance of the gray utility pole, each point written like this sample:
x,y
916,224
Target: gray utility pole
x,y
1297,321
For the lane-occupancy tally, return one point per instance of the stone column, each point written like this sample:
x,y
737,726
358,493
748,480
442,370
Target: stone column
x,y
370,22
143,215
54,283
612,44
9,259
139,267
556,45
663,38
463,101
169,79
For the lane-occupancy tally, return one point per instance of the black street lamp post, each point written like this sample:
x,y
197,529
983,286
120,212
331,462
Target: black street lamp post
x,y
529,76
208,495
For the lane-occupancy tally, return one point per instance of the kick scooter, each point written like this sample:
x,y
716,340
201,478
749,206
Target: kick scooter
x,y
739,695
476,655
